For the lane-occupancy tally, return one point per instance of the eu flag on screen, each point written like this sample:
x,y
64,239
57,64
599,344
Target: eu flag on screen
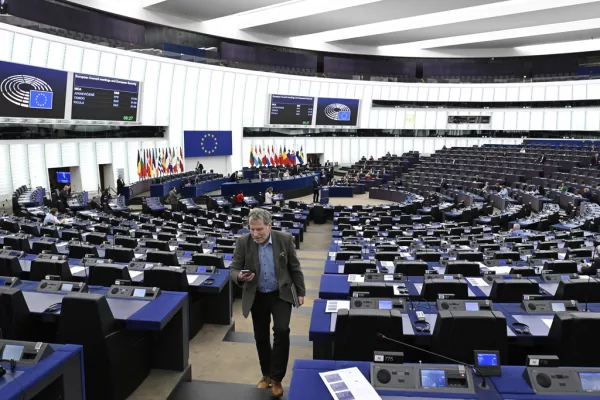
x,y
207,143
344,116
40,99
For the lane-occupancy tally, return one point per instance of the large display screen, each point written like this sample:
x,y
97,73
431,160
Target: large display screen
x,y
105,99
291,110
32,92
337,112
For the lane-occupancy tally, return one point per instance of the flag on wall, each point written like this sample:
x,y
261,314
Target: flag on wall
x,y
251,157
181,160
264,157
300,156
273,156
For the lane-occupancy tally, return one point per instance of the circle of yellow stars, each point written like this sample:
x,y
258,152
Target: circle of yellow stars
x,y
202,143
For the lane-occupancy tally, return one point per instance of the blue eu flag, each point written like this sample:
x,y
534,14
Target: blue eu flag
x,y
344,116
40,99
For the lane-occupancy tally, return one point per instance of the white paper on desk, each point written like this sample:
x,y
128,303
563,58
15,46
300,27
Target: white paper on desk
x,y
348,384
404,255
75,270
139,255
335,305
62,244
388,277
205,251
547,321
463,247
192,278
477,282
356,278
387,264
499,270
134,274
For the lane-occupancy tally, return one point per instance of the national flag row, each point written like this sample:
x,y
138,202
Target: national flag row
x,y
152,163
269,156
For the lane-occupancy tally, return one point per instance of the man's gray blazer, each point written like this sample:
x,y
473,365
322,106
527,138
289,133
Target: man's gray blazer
x,y
287,267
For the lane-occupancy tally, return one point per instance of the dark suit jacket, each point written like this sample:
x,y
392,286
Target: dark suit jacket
x,y
287,267
593,161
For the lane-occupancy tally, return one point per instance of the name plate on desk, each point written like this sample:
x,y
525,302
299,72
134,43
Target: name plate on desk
x,y
200,269
134,292
378,303
48,286
465,305
380,277
559,277
422,378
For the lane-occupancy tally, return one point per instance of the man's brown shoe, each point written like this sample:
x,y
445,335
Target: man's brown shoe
x,y
264,383
276,389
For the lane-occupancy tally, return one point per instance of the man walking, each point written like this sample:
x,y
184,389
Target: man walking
x,y
266,266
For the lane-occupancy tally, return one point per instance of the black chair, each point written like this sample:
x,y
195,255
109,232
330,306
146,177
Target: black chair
x,y
569,338
411,268
96,238
433,286
215,260
66,234
116,360
119,254
80,250
15,320
42,267
464,268
164,257
106,274
512,291
126,241
224,249
10,265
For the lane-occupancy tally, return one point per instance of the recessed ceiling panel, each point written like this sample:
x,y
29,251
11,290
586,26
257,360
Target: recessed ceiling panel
x,y
201,10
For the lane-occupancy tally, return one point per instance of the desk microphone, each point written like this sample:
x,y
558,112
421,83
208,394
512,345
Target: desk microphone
x,y
483,384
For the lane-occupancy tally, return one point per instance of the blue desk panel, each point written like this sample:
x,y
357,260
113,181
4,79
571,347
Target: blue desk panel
x,y
254,188
203,188
162,189
340,191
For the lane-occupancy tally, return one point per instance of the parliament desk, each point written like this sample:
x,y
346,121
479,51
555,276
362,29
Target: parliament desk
x,y
536,201
306,383
58,376
191,192
296,185
135,189
467,198
391,195
324,198
336,286
162,189
167,317
500,202
341,191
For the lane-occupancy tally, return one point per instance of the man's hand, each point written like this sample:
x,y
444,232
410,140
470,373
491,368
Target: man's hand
x,y
300,300
244,277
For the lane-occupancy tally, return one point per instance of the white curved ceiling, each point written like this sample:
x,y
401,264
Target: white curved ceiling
x,y
401,28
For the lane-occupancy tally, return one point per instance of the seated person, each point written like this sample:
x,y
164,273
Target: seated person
x,y
486,187
503,192
522,150
541,159
188,183
269,196
516,231
540,191
592,269
477,179
240,197
51,219
286,173
587,194
563,188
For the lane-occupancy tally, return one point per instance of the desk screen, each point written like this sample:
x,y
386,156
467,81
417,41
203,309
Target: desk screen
x,y
448,277
470,306
99,261
385,304
501,262
487,360
66,287
12,352
201,269
13,253
2,282
590,381
139,292
558,307
433,378
564,277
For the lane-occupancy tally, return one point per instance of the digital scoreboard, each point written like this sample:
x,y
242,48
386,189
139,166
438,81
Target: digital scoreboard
x,y
105,99
291,110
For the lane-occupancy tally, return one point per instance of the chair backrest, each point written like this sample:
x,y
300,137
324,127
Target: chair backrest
x,y
119,254
81,250
42,267
14,314
167,279
106,274
10,266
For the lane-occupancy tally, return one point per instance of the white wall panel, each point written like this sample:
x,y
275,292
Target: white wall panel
x,y
410,119
500,94
39,52
346,156
564,120
441,119
354,149
565,92
592,120
465,94
420,119
579,92
433,94
337,150
227,101
107,65
413,92
319,145
284,86
352,91
488,94
22,49
523,120
333,88
363,148
236,122
38,174
19,164
124,64
428,146
578,120
304,87
551,93
166,90
315,87
510,120
539,93
311,145
382,118
537,121
525,93
477,93
202,100
260,101
385,93
57,58
294,88
398,146
593,91
6,186
423,94
512,93
70,154
132,153
328,149
407,145
53,155
430,119
365,106
550,117
391,119
104,152
91,62
119,152
189,99
403,93
374,112
88,166
372,147
73,58
454,94
150,92
6,46
497,120
381,149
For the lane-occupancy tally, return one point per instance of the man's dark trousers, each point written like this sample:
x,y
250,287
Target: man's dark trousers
x,y
273,360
